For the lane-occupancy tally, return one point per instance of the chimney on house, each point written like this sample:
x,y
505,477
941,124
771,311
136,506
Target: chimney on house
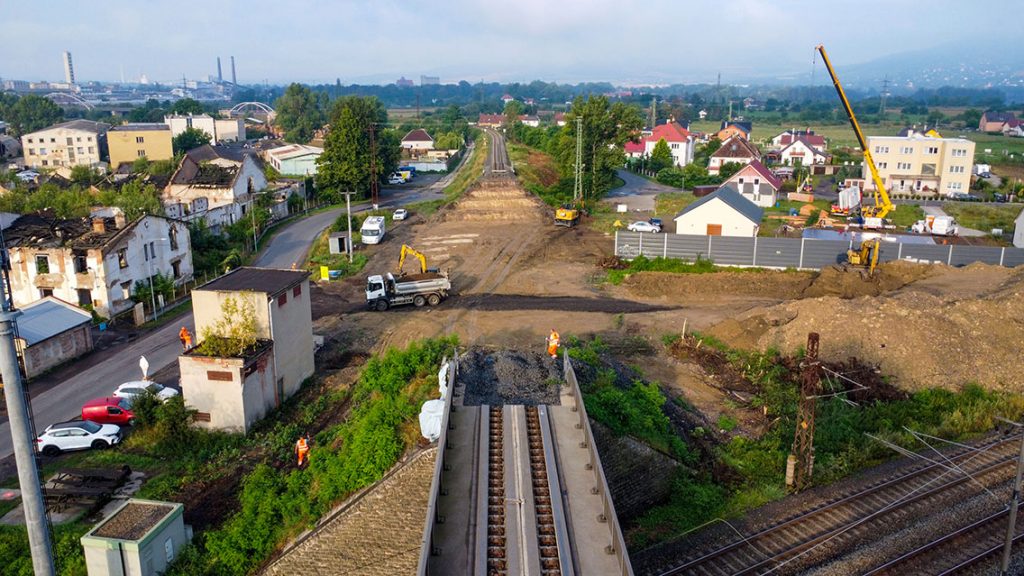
x,y
119,219
99,225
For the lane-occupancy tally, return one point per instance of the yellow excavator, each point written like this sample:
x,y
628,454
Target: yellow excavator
x,y
568,214
874,216
866,256
410,251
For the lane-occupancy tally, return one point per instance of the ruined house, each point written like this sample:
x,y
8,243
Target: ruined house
x,y
214,183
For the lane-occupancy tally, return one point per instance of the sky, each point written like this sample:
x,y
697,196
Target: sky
x,y
376,41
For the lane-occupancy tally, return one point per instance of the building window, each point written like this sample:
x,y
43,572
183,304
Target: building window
x,y
79,139
126,290
907,150
959,152
176,269
81,150
282,299
883,165
881,149
29,140
53,140
140,153
84,297
297,291
71,141
956,169
88,138
44,292
91,149
675,146
933,150
42,151
928,169
45,163
152,250
81,266
122,258
903,165
172,235
42,264
139,139
31,151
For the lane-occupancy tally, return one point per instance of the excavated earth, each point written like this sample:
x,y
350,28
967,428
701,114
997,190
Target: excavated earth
x,y
498,377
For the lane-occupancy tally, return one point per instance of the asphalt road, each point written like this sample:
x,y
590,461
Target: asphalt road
x,y
162,347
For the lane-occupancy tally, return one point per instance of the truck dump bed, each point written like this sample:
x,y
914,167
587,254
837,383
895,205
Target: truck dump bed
x,y
430,281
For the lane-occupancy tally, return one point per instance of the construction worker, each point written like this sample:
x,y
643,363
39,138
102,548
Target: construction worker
x,y
186,338
302,450
553,342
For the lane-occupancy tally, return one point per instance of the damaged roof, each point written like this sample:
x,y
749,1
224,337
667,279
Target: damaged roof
x,y
43,230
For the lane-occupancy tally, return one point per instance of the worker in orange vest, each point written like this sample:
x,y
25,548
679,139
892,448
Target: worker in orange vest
x,y
186,338
553,342
302,450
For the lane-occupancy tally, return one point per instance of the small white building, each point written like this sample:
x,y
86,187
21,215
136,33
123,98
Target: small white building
x,y
221,130
418,139
529,120
801,153
679,141
95,261
1018,230
293,159
756,183
141,538
214,183
724,212
50,333
233,393
736,150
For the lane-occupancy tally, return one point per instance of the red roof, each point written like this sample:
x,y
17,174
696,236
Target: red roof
x,y
634,147
495,119
736,147
417,135
815,140
761,171
670,132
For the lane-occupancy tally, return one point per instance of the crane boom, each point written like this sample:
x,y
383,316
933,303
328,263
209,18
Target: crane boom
x,y
883,205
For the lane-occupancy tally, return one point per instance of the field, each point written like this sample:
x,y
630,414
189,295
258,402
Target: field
x,y
984,217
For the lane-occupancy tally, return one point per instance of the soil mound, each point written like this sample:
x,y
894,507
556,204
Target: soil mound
x,y
851,283
499,377
917,337
490,201
767,284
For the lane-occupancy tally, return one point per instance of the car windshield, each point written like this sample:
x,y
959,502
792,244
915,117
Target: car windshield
x,y
90,427
369,232
154,388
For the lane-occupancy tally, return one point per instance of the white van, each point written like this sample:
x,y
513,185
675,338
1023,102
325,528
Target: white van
x,y
373,230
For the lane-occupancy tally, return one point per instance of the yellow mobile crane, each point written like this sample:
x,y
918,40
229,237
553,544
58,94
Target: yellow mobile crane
x,y
874,216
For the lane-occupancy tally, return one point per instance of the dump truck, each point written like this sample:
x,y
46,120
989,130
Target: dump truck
x,y
385,291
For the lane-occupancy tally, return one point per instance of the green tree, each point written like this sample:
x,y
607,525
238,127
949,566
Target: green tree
x,y
512,111
448,141
84,176
606,128
140,165
31,113
661,156
233,333
725,171
187,106
189,139
971,117
134,199
345,162
300,112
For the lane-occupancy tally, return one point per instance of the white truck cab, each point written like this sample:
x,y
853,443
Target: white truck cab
x,y
373,230
375,288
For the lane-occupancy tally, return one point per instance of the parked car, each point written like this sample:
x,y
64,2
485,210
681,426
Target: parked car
x,y
400,214
998,197
109,410
396,180
656,222
129,390
642,226
77,435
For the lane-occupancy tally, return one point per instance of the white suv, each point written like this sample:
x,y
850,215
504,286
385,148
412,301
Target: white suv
x,y
129,390
77,435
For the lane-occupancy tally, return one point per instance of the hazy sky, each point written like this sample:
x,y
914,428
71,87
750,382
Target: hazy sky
x,y
562,40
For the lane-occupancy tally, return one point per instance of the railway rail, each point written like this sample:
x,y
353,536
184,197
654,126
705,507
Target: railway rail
x,y
772,549
498,163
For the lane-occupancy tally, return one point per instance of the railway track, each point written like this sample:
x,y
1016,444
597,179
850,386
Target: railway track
x,y
499,161
547,542
497,562
848,518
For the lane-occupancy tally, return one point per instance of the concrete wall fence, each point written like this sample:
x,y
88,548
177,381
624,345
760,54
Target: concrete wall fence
x,y
801,253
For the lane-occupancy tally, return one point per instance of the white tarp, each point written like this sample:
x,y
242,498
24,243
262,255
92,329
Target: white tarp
x,y
849,198
442,380
431,415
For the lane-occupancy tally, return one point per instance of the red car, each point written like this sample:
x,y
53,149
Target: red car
x,y
110,410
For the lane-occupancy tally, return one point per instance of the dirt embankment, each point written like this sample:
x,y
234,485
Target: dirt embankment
x,y
766,284
948,328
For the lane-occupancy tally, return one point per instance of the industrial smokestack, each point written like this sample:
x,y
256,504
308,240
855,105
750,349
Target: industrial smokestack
x,y
220,77
234,80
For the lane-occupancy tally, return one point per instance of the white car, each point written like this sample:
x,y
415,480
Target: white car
x,y
400,214
642,226
396,180
77,435
129,390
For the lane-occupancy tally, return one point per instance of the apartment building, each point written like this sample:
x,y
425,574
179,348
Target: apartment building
x,y
221,130
919,164
74,143
132,141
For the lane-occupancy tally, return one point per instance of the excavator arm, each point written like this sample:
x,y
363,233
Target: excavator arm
x,y
883,205
410,251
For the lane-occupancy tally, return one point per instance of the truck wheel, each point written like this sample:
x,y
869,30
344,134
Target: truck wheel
x,y
419,301
434,299
381,305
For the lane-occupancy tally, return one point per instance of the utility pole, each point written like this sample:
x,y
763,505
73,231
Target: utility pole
x,y
374,185
577,191
885,95
348,210
19,416
800,464
1011,526
654,112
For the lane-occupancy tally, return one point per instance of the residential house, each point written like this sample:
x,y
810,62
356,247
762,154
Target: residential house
x,y
800,152
418,139
634,149
679,141
735,150
722,213
215,183
491,120
233,393
74,143
1013,128
94,261
130,142
507,98
294,159
756,183
734,128
221,130
559,118
921,164
50,333
528,120
790,136
995,121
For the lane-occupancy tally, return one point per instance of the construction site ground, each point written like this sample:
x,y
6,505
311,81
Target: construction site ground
x,y
516,276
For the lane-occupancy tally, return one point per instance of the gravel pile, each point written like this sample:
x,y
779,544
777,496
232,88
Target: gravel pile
x,y
498,377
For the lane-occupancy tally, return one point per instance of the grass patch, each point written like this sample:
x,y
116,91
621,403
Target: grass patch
x,y
784,206
983,217
67,550
674,265
668,204
468,174
905,215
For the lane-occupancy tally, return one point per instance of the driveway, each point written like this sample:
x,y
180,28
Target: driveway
x,y
637,193
162,347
